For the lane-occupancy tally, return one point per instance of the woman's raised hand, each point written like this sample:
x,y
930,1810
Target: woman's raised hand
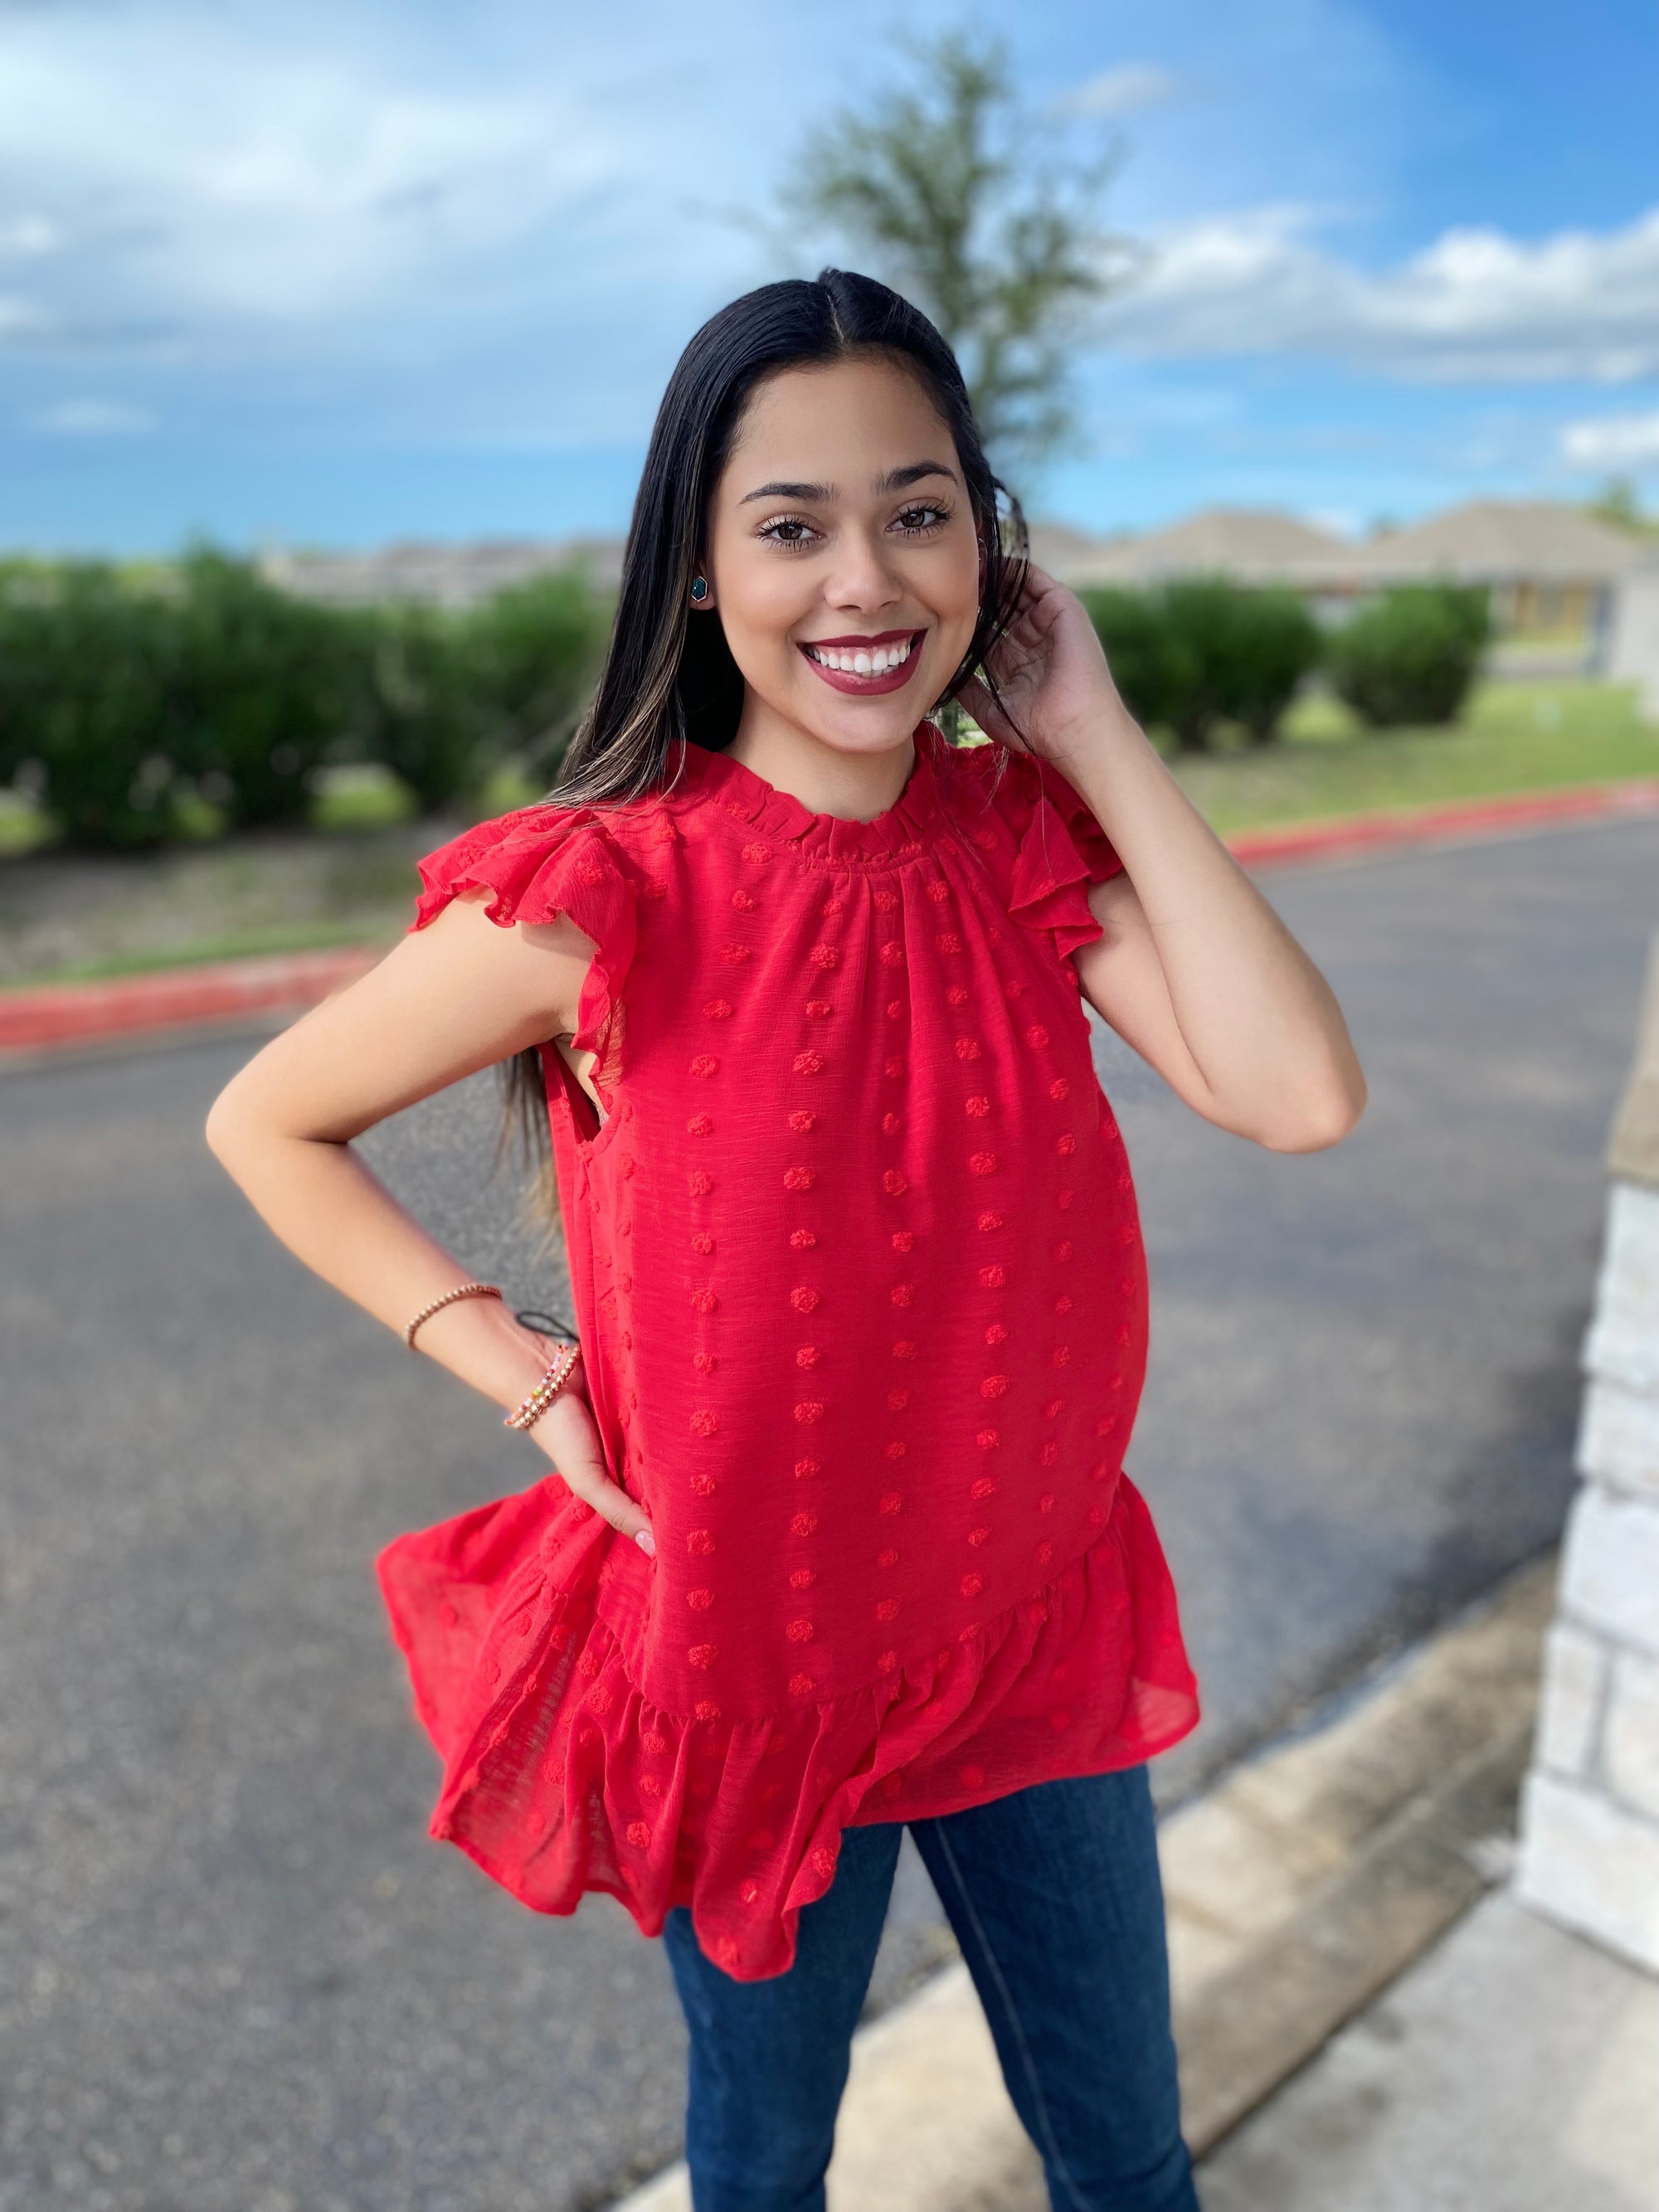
x,y
1052,673
567,1433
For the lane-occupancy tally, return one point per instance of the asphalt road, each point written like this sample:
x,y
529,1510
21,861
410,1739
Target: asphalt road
x,y
235,1976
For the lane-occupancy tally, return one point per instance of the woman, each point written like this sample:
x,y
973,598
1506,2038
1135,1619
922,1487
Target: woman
x,y
853,1249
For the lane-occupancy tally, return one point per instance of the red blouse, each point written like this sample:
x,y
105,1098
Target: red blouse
x,y
861,1295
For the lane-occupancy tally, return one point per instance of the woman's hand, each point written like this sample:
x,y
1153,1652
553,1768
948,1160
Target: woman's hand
x,y
1052,673
1193,966
567,1433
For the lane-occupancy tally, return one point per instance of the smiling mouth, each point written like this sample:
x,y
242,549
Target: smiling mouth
x,y
871,666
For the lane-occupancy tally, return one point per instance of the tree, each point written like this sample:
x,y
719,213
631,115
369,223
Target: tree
x,y
1619,503
983,213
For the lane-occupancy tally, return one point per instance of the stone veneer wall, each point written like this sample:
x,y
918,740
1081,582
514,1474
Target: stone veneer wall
x,y
1589,1827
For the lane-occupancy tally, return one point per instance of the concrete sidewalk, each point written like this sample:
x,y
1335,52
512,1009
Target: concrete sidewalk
x,y
1515,2068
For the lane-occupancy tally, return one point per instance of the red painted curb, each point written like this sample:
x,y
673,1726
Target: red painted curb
x,y
1428,825
67,1014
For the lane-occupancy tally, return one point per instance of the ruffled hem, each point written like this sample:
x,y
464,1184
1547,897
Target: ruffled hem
x,y
539,863
561,1777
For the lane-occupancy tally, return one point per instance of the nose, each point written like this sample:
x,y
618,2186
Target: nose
x,y
864,578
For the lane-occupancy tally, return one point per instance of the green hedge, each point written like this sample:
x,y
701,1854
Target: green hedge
x,y
1411,655
86,683
1190,656
123,694
265,689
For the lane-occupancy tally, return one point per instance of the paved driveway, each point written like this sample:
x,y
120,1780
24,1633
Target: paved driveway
x,y
234,1975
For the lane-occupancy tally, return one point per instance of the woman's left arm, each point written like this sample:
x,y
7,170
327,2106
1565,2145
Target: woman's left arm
x,y
1194,970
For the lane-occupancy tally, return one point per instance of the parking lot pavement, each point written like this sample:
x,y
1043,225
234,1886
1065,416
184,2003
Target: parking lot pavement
x,y
1364,1379
234,1976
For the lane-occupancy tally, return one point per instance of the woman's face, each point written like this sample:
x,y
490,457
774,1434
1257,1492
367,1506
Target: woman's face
x,y
842,553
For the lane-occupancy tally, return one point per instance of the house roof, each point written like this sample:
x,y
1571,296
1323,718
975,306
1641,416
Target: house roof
x,y
1489,541
1256,544
1502,541
443,576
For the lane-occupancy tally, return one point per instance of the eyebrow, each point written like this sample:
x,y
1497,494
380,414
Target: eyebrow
x,y
820,495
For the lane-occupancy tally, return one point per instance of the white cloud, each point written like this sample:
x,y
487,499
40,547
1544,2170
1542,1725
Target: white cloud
x,y
94,418
1127,89
253,178
1475,306
1613,441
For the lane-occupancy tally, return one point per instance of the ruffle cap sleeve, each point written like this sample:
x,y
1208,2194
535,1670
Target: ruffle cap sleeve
x,y
1053,849
539,863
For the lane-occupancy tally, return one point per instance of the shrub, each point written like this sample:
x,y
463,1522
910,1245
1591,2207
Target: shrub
x,y
267,687
1131,627
534,650
87,673
450,695
421,715
128,688
1193,654
1411,655
1239,655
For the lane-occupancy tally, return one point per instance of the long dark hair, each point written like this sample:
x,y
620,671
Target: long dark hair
x,y
668,678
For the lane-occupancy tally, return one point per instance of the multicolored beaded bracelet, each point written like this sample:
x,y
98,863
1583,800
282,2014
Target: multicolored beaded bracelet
x,y
527,1415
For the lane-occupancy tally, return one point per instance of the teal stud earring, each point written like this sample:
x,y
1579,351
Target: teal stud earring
x,y
699,589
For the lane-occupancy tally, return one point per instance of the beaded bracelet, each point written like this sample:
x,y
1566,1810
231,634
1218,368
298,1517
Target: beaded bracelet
x,y
460,1291
526,1415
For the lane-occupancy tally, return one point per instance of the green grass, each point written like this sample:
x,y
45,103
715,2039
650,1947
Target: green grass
x,y
365,798
23,826
1513,737
509,787
298,937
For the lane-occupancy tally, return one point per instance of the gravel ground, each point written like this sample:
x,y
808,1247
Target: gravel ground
x,y
236,1975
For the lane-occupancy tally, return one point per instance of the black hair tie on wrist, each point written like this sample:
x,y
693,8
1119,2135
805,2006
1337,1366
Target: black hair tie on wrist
x,y
545,1324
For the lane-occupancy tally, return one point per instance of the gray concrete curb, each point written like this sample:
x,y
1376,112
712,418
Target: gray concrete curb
x,y
1302,1885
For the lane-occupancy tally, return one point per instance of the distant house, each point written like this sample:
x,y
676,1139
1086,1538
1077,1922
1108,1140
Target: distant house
x,y
1254,545
1548,568
1633,642
439,575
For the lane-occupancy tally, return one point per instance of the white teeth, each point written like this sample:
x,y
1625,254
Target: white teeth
x,y
878,660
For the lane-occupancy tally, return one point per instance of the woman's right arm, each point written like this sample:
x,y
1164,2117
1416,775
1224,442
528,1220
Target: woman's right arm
x,y
458,996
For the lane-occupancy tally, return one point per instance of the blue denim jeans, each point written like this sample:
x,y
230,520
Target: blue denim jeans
x,y
1054,1898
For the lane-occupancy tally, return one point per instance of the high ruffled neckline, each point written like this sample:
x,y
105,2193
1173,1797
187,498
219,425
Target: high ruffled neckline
x,y
898,831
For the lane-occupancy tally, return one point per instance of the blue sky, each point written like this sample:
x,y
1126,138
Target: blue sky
x,y
329,275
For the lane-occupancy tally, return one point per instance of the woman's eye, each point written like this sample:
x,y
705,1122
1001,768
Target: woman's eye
x,y
914,519
787,530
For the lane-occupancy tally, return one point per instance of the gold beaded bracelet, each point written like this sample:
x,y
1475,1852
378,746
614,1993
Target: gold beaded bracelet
x,y
526,1415
460,1291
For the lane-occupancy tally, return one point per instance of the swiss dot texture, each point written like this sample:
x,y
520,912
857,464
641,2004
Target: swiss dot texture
x,y
857,1277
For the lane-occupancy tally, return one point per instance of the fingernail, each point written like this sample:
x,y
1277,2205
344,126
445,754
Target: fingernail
x,y
646,1542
